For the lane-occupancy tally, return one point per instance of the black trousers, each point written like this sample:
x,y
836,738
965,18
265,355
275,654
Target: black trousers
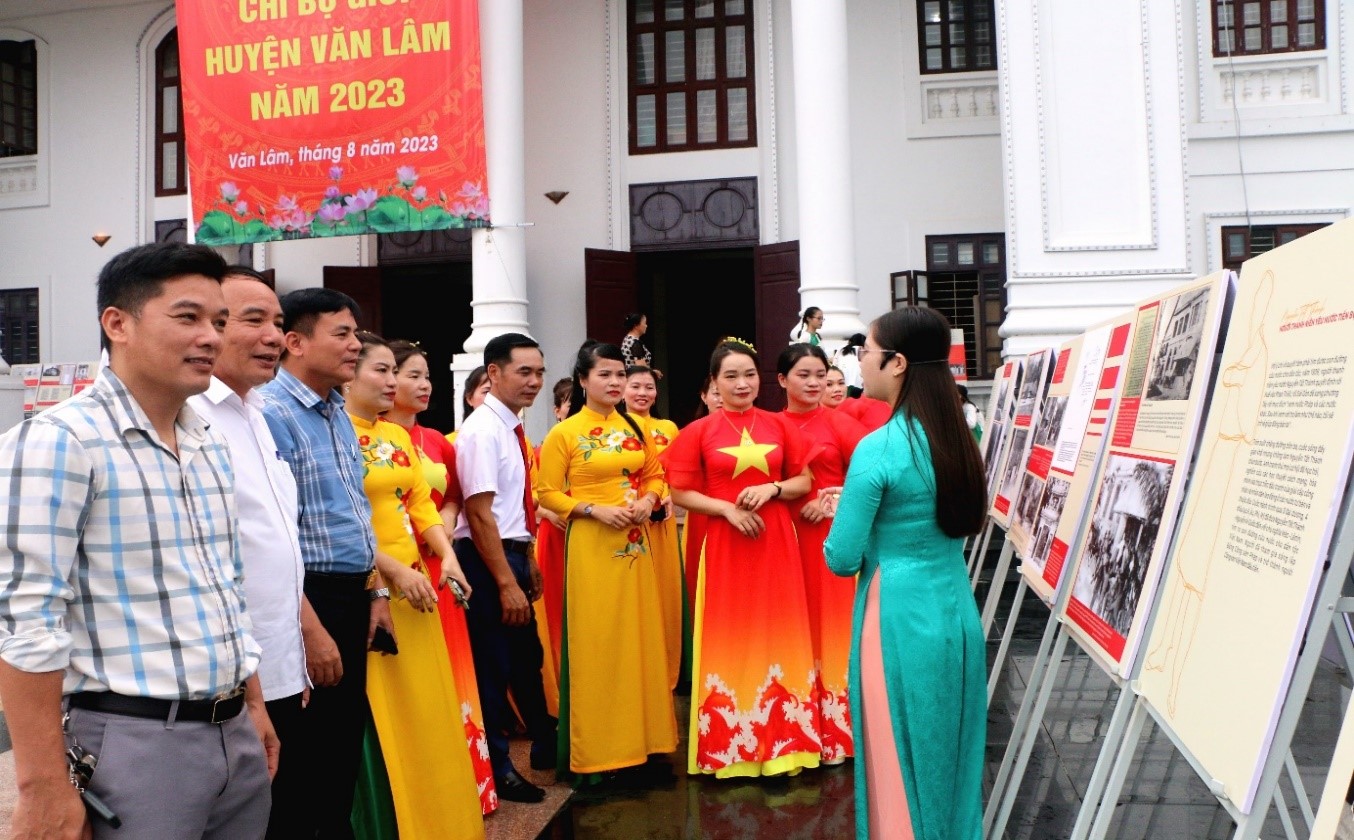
x,y
326,749
506,658
285,713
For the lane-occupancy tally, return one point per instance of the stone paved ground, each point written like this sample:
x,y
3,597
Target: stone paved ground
x,y
1163,798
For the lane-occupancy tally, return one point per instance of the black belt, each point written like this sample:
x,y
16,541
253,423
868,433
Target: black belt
x,y
519,546
338,581
207,711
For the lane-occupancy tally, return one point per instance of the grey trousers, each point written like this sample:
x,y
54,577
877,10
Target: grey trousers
x,y
171,781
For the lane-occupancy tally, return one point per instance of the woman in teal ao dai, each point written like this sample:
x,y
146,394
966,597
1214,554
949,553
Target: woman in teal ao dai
x,y
914,490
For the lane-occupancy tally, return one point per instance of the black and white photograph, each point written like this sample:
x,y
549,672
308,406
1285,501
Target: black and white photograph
x,y
1015,464
1051,504
995,449
1050,421
1031,489
1005,408
1180,328
1124,527
1033,382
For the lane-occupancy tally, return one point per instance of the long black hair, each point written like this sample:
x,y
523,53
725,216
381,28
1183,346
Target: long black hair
x,y
922,336
588,355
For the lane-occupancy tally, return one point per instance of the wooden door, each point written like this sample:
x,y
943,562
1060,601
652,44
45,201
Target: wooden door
x,y
776,282
362,285
611,292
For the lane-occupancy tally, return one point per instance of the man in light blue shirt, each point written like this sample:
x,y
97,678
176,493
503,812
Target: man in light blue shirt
x,y
345,597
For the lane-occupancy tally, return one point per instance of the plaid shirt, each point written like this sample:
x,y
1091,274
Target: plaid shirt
x,y
120,560
316,438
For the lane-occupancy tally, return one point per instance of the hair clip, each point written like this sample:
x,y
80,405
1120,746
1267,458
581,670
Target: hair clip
x,y
733,339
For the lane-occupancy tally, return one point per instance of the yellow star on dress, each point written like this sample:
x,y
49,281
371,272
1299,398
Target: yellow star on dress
x,y
750,454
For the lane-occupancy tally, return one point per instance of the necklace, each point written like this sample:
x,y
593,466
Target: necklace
x,y
750,427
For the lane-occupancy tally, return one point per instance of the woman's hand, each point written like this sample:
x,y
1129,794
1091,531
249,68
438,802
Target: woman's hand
x,y
415,586
451,570
827,500
612,517
747,522
641,508
752,498
813,512
550,517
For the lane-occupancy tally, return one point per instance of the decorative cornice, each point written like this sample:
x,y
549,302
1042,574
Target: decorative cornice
x,y
1008,139
1184,135
772,148
1108,273
1346,43
607,145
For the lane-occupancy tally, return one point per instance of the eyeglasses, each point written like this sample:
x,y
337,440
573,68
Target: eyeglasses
x,y
884,356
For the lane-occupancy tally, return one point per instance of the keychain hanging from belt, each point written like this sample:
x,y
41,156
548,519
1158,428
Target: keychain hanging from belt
x,y
82,765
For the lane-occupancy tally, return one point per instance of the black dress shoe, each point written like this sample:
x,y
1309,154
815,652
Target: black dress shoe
x,y
544,755
514,788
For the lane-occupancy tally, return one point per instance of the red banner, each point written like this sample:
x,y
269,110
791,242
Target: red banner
x,y
314,118
958,357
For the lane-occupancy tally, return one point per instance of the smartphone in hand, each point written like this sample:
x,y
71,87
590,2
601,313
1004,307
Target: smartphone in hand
x,y
383,642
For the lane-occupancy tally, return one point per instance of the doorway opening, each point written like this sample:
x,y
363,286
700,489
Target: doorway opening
x,y
430,303
692,300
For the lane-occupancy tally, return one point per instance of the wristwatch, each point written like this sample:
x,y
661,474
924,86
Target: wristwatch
x,y
383,592
587,510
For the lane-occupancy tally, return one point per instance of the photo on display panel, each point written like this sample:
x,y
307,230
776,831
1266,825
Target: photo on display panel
x,y
1031,491
1124,527
997,435
1015,463
1051,506
1033,382
1050,421
1180,328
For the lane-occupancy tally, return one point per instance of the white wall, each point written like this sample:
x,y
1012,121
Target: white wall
x,y
914,174
911,179
92,132
566,149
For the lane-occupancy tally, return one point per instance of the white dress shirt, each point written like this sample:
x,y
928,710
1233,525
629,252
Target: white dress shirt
x,y
489,460
265,495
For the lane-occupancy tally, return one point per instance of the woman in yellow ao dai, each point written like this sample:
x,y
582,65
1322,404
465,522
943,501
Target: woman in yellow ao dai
x,y
641,390
599,475
413,698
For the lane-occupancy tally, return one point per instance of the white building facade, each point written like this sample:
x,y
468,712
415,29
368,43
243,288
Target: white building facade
x,y
1028,166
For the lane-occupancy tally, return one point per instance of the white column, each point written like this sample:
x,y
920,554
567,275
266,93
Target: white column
x,y
827,259
499,296
1093,142
498,254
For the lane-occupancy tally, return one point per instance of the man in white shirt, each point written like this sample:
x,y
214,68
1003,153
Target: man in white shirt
x,y
265,497
493,542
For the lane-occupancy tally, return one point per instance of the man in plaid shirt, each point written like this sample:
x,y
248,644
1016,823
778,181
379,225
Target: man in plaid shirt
x,y
123,602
